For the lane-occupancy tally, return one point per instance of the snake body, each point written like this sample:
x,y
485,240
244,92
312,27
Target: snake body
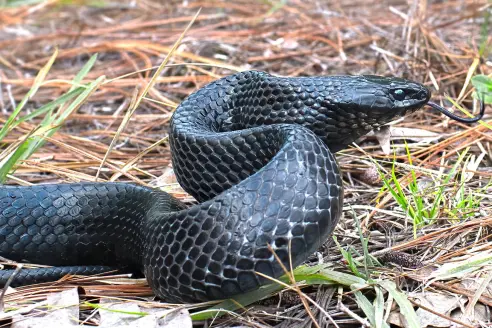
x,y
255,150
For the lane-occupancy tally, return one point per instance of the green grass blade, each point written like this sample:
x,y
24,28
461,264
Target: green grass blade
x,y
36,84
39,140
315,275
349,258
365,306
84,71
91,88
100,307
484,35
18,3
420,213
440,191
342,278
461,268
365,242
406,308
310,269
49,106
379,309
9,162
63,113
49,125
238,302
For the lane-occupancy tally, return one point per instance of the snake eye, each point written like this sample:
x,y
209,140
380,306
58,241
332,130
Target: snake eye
x,y
399,94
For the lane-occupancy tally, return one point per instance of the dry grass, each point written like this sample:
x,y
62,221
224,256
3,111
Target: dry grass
x,y
437,43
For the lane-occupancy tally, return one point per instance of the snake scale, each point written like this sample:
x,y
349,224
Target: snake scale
x,y
255,150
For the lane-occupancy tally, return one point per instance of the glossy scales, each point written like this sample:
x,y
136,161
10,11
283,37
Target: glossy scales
x,y
253,149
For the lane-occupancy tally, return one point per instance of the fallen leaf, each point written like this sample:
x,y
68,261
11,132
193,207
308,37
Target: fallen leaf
x,y
129,314
472,165
414,134
480,316
63,312
440,303
408,315
422,274
386,133
167,178
290,44
167,182
383,135
119,314
175,319
472,284
22,310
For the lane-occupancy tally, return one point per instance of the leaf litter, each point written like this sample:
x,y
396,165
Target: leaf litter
x,y
441,167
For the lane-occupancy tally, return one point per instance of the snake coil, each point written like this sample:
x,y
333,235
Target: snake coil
x,y
255,150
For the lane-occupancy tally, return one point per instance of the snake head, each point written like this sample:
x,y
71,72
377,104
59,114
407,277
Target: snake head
x,y
376,95
356,105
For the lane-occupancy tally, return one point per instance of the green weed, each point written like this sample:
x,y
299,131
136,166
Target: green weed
x,y
55,113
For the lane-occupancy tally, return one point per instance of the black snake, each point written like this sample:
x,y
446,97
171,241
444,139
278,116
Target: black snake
x,y
255,150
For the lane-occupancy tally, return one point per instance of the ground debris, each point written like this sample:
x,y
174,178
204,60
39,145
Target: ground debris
x,y
435,42
62,310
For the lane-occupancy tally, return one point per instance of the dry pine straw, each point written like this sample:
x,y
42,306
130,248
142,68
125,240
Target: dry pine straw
x,y
435,43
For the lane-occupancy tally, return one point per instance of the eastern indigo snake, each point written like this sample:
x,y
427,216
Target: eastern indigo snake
x,y
255,150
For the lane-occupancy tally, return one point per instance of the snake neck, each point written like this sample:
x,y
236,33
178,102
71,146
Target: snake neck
x,y
338,109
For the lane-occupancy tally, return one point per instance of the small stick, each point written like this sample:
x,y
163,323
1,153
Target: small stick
x,y
290,275
484,299
440,314
343,308
7,284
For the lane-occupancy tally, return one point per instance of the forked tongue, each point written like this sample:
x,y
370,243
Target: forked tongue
x,y
459,118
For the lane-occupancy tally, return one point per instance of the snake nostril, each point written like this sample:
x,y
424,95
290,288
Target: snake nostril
x,y
423,95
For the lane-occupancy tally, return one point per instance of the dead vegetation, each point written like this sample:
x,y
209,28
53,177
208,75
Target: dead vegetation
x,y
419,190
